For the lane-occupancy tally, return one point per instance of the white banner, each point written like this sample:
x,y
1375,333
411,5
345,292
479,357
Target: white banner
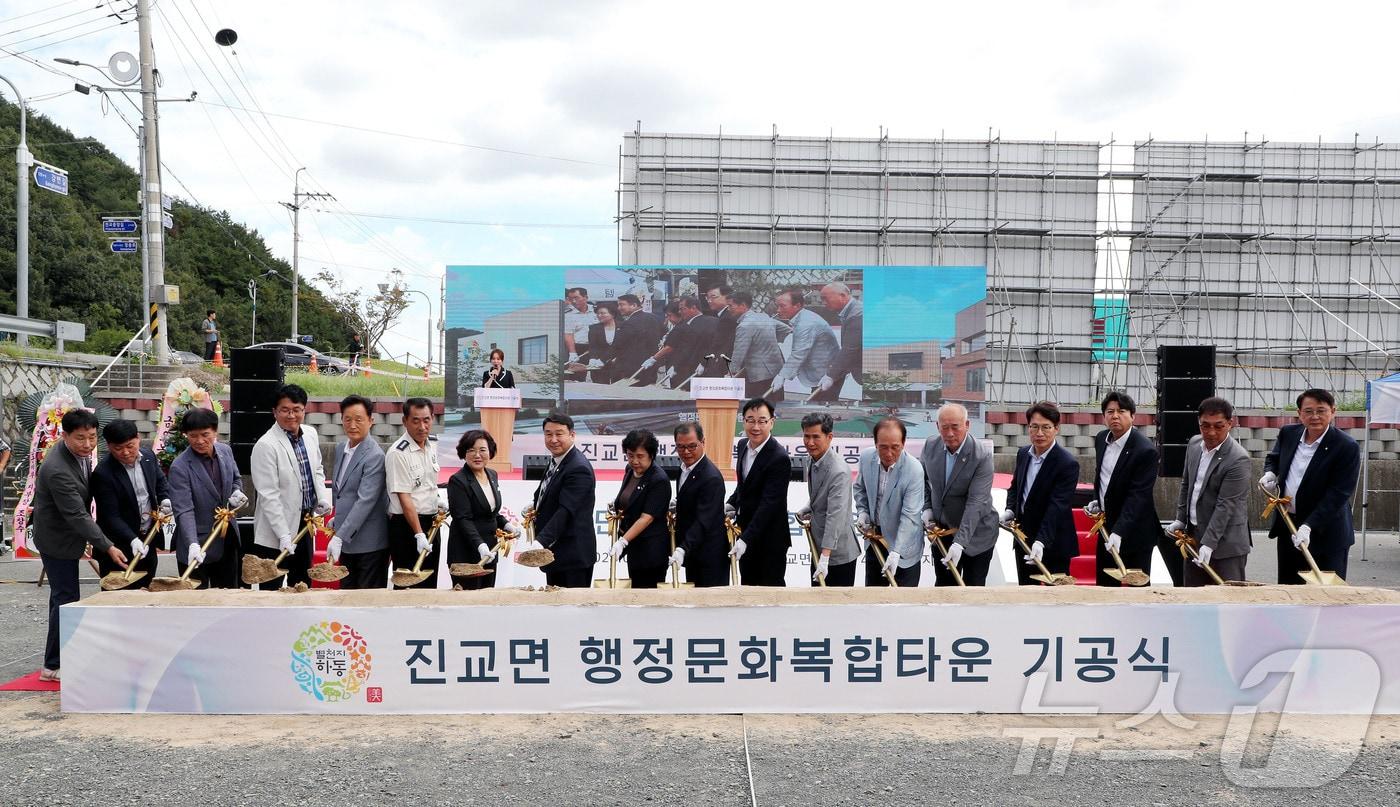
x,y
431,657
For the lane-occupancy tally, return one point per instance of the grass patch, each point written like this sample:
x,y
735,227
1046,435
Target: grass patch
x,y
376,386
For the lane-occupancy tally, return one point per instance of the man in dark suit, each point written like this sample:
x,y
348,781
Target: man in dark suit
x,y
959,495
128,486
1041,490
1125,469
1315,466
62,525
638,336
202,479
701,545
718,299
360,496
759,503
564,508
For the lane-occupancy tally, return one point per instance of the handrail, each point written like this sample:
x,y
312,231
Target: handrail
x,y
120,353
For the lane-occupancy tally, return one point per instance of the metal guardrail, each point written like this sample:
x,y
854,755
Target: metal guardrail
x,y
58,330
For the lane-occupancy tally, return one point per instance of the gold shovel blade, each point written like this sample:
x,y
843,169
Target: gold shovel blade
x,y
405,578
535,558
467,570
1115,574
173,584
258,570
327,572
119,580
1322,579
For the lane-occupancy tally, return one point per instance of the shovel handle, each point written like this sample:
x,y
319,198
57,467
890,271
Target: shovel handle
x,y
158,520
214,534
1317,573
874,539
432,534
1021,539
1186,544
812,547
306,525
732,530
937,540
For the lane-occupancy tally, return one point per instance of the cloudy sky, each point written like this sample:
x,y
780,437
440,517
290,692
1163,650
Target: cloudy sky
x,y
470,132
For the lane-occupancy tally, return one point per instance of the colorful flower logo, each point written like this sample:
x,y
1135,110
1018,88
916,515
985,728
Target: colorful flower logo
x,y
330,661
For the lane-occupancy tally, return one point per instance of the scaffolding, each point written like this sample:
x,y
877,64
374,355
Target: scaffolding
x,y
1280,254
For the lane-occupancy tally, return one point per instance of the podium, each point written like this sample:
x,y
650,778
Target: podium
x,y
498,408
717,404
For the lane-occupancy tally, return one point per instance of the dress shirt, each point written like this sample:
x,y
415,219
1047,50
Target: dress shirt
x,y
1111,452
1299,466
1032,470
1201,468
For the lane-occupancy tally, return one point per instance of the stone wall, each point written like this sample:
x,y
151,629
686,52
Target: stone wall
x,y
20,378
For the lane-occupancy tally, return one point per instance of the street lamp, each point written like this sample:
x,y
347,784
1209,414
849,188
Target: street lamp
x,y
384,289
22,162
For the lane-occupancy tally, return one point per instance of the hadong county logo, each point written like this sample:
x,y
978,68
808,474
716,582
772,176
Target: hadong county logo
x,y
330,661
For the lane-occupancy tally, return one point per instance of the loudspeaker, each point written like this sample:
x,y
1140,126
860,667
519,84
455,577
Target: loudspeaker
x,y
246,395
534,466
247,427
671,465
1176,428
1186,361
243,455
799,467
1184,394
1173,460
256,364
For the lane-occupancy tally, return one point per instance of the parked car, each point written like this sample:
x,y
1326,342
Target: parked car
x,y
296,355
185,357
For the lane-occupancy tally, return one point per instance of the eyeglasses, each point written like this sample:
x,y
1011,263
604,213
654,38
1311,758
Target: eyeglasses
x,y
295,410
687,446
757,421
1314,412
1223,426
1041,427
479,451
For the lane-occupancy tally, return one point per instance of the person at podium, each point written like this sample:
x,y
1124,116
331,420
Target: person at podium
x,y
497,377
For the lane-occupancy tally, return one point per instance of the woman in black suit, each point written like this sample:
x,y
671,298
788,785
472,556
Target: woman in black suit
x,y
498,377
474,500
602,344
643,501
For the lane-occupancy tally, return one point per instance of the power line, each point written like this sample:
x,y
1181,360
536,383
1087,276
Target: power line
x,y
40,11
476,223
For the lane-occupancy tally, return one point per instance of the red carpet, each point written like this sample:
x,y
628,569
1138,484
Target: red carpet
x,y
29,683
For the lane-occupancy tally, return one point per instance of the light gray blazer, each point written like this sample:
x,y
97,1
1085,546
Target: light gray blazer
x,y
1223,509
756,353
276,476
361,498
965,502
901,511
813,347
829,489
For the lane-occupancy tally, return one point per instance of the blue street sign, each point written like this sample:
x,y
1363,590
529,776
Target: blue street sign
x,y
306,338
119,225
50,178
123,244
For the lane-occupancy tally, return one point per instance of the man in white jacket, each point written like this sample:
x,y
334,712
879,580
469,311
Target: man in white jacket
x,y
291,484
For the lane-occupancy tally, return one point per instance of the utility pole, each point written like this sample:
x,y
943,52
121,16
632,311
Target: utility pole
x,y
145,243
295,207
151,225
23,159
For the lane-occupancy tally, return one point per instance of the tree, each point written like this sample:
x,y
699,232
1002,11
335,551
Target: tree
x,y
875,383
549,376
371,317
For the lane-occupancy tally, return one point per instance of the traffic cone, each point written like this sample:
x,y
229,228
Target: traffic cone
x,y
425,372
364,362
312,367
219,353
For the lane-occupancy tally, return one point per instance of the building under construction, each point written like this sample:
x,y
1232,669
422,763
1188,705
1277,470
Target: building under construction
x,y
1282,255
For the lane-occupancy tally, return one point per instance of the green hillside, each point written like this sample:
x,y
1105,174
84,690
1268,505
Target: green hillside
x,y
74,276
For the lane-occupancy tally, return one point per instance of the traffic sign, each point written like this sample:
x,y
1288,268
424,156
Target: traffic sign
x,y
115,225
123,244
167,220
50,178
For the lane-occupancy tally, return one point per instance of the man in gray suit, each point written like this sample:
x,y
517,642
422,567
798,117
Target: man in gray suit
x,y
959,490
62,521
889,496
1213,506
203,478
813,343
361,500
829,505
756,358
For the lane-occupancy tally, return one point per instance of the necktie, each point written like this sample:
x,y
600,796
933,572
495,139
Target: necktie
x,y
553,466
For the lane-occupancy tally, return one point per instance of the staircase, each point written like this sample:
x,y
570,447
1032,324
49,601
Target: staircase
x,y
137,380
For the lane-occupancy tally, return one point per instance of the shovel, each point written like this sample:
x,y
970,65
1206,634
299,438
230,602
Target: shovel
x,y
534,558
1126,576
325,571
1045,577
806,525
1316,577
611,581
261,570
1187,545
480,569
935,536
222,517
118,580
732,530
876,540
404,578
676,583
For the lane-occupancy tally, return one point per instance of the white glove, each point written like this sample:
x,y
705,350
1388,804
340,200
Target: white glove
x,y
1007,516
805,514
777,385
1115,542
321,509
928,520
862,520
648,364
892,562
617,547
285,544
573,357
1269,481
730,511
595,364
165,508
823,564
138,549
237,500
513,529
194,555
1092,508
1037,554
1302,537
827,383
333,549
421,542
487,554
1203,556
739,548
678,557
955,553
1175,526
